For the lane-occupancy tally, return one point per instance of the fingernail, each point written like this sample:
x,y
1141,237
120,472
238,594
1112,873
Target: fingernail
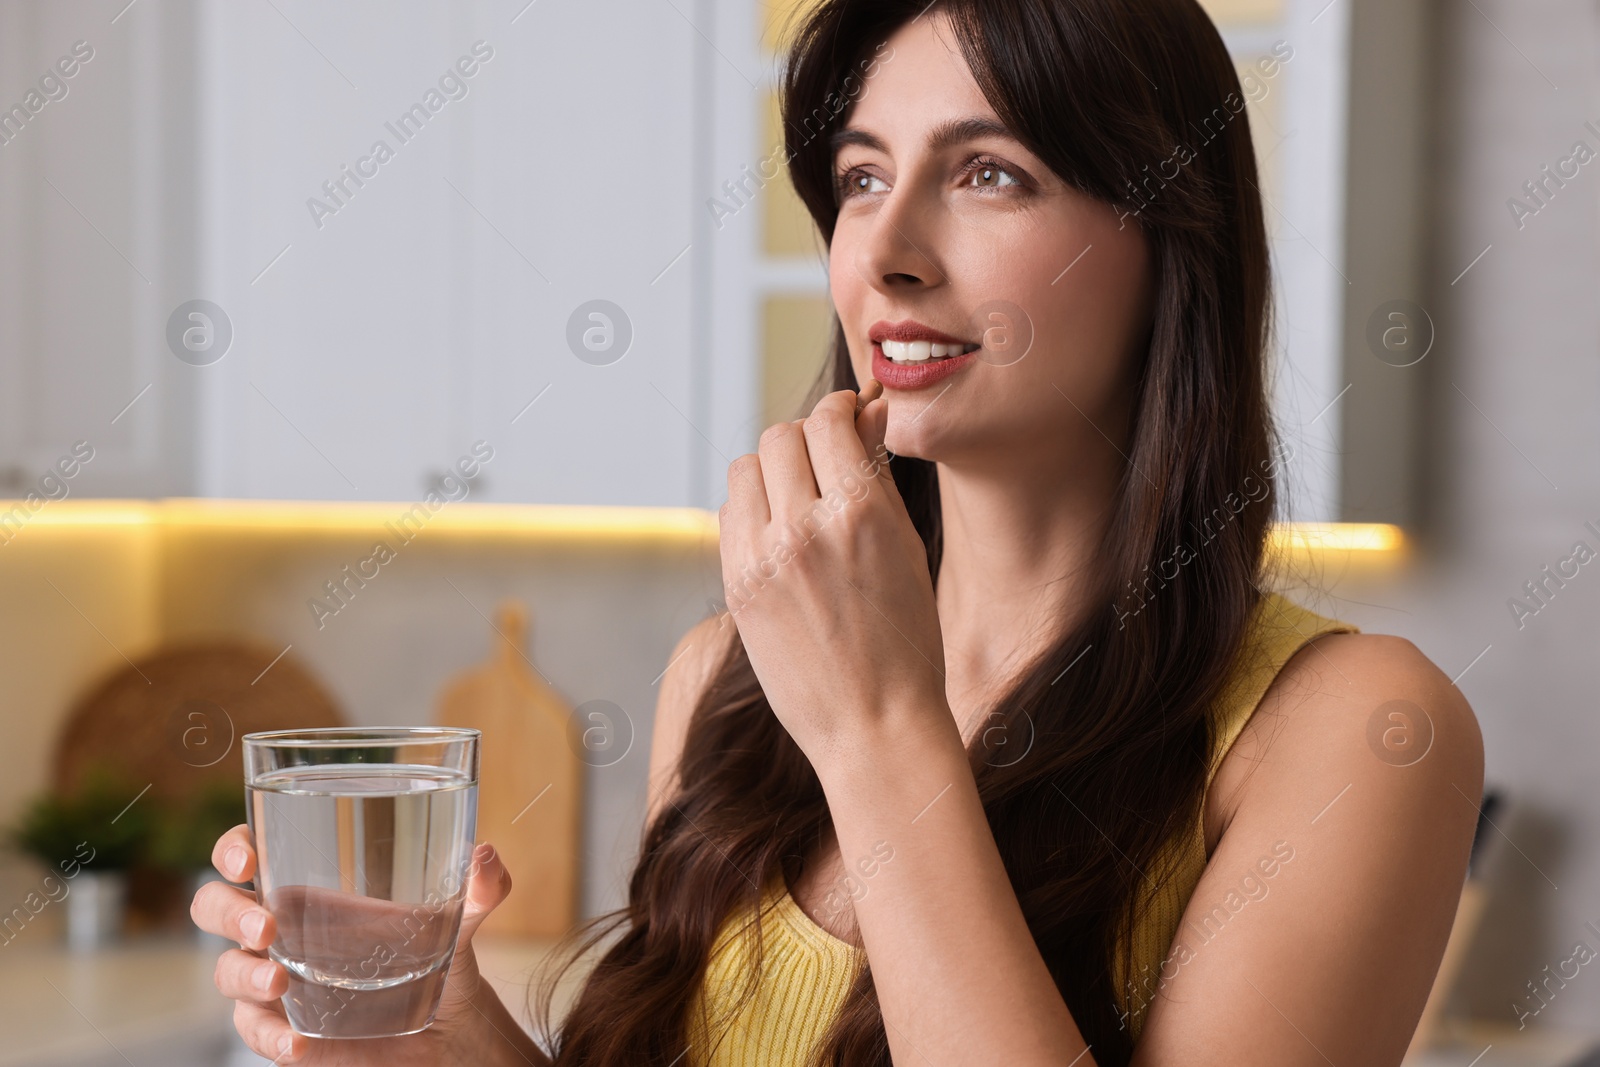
x,y
264,977
483,853
286,1045
235,858
252,924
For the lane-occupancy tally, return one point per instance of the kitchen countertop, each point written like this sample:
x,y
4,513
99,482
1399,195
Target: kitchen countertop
x,y
152,1002
1478,1044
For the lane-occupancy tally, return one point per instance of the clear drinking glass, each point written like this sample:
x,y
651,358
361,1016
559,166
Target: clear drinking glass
x,y
363,839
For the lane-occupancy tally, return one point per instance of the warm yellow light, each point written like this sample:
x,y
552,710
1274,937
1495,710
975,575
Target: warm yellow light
x,y
77,513
537,521
1338,537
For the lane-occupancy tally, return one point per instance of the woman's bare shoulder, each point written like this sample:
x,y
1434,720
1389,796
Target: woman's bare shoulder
x,y
1365,705
688,672
1352,797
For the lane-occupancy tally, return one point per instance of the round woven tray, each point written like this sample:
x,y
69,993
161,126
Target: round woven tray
x,y
174,719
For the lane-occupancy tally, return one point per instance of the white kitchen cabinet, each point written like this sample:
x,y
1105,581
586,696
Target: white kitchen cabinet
x,y
92,220
383,322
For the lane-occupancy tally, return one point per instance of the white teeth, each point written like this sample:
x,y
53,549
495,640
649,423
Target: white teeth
x,y
920,351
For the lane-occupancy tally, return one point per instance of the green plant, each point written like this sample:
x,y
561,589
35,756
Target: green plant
x,y
186,831
104,814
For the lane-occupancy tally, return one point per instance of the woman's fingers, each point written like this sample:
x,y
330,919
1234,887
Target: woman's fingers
x,y
489,885
234,914
267,1032
872,423
234,855
834,445
245,976
251,982
869,392
226,910
487,888
747,493
786,471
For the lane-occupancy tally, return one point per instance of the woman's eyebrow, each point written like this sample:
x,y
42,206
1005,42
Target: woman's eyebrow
x,y
953,132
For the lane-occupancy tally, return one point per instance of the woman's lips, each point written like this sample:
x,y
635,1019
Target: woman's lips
x,y
915,375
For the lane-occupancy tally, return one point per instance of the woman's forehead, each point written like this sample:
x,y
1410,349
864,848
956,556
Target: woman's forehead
x,y
922,77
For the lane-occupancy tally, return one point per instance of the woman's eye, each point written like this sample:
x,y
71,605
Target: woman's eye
x,y
855,181
988,176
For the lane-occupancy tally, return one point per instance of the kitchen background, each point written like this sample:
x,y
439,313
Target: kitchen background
x,y
370,321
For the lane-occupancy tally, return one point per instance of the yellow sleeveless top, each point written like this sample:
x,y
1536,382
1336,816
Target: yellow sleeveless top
x,y
806,971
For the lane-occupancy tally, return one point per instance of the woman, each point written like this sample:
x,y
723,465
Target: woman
x,y
1007,717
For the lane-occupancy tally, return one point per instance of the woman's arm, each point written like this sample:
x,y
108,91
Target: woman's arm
x,y
1331,957
688,671
828,583
823,574
1366,862
958,976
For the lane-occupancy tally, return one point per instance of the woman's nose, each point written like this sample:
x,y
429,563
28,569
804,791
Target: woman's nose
x,y
897,250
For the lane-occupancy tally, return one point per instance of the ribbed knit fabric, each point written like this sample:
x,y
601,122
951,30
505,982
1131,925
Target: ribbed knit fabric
x,y
806,971
1279,629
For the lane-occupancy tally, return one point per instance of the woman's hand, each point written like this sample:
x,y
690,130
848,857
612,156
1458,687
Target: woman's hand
x,y
460,1028
828,581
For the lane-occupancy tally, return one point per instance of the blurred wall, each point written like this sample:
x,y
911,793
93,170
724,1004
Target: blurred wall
x,y
1513,388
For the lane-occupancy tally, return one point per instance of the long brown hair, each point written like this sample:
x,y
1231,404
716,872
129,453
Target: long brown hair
x,y
1136,103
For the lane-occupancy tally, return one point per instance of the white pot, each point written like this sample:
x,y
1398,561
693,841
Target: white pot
x,y
95,903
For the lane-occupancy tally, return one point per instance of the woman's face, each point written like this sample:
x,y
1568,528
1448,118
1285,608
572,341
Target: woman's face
x,y
948,227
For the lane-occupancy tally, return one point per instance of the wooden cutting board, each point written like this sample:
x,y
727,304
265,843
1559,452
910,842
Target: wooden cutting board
x,y
530,779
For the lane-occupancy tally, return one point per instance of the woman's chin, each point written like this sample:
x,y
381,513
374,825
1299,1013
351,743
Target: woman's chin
x,y
912,443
